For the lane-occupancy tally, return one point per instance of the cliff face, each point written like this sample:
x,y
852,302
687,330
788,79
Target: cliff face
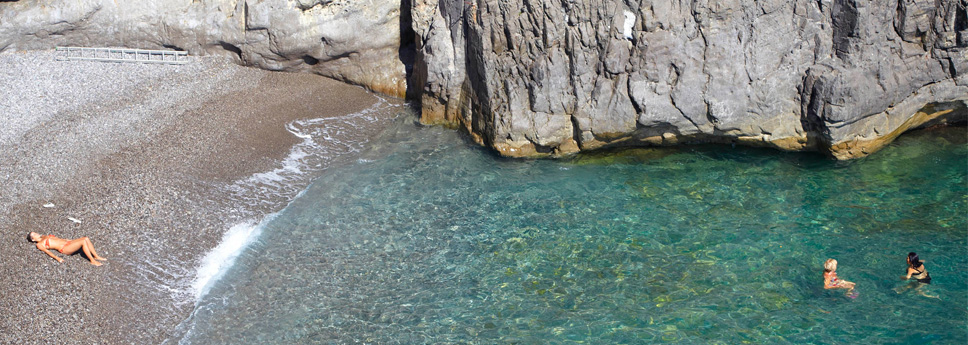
x,y
538,78
353,41
533,78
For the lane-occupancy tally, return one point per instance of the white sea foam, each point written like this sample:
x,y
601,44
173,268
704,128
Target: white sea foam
x,y
322,141
222,257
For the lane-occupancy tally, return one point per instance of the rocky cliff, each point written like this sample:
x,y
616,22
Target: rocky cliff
x,y
350,40
540,78
534,78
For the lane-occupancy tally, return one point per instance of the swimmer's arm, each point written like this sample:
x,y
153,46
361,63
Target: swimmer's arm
x,y
51,254
909,274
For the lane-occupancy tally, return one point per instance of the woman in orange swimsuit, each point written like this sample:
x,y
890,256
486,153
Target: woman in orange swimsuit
x,y
830,280
67,247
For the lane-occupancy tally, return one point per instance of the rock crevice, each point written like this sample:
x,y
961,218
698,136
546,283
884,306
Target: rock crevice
x,y
539,78
842,76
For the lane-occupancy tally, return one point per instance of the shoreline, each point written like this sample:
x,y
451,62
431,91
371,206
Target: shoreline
x,y
146,157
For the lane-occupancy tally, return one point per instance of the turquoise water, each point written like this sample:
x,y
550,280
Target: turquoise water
x,y
429,240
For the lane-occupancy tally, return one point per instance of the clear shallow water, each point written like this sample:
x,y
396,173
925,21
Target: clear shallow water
x,y
426,239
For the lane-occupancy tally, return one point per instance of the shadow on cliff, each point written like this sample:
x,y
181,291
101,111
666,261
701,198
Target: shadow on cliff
x,y
408,50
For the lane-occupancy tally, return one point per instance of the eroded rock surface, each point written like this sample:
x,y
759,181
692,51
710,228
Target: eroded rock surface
x,y
353,41
534,78
540,78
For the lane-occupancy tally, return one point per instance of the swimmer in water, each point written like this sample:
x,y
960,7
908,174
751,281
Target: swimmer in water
x,y
830,280
919,273
67,247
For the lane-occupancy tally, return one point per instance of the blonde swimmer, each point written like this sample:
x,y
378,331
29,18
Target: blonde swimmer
x,y
830,280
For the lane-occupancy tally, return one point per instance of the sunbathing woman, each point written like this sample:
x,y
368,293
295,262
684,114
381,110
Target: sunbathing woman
x,y
68,247
830,280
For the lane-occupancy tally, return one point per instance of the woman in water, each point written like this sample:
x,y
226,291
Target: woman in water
x,y
830,280
917,271
67,247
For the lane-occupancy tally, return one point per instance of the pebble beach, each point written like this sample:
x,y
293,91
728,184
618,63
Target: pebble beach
x,y
138,158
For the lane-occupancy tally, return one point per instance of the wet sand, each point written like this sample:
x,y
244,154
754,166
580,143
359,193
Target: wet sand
x,y
140,155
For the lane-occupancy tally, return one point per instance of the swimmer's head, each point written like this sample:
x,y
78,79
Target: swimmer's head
x,y
830,265
33,237
914,260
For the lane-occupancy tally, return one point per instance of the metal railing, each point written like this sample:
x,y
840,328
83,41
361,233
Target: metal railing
x,y
173,57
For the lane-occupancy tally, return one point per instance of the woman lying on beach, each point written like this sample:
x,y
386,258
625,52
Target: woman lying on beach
x,y
830,280
67,247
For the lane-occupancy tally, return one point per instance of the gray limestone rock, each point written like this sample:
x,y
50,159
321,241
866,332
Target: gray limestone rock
x,y
840,76
539,78
354,41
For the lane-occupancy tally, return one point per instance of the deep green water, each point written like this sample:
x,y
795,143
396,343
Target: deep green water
x,y
430,240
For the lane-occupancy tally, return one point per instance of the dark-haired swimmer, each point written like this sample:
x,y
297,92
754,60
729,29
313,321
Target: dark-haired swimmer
x,y
67,247
919,273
